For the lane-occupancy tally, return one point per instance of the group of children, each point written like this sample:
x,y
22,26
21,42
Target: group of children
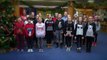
x,y
60,31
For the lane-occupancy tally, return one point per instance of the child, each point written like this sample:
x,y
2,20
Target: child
x,y
79,34
24,16
49,31
40,33
68,33
75,18
98,26
18,33
59,26
29,34
84,24
90,31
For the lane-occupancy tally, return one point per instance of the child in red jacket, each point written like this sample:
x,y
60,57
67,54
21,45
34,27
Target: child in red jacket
x,y
18,33
29,34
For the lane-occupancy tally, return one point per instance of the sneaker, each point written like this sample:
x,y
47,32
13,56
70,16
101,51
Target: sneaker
x,y
68,49
49,46
95,44
79,49
22,50
40,50
18,50
28,50
31,50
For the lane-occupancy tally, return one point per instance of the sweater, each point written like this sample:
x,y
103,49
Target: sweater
x,y
69,27
90,29
40,30
19,28
29,30
49,25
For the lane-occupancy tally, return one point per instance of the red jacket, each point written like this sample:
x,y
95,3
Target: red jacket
x,y
19,28
29,30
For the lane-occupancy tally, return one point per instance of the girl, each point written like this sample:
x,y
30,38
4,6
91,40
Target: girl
x,y
59,26
18,33
29,34
79,33
90,31
84,24
68,33
98,26
40,33
24,16
49,31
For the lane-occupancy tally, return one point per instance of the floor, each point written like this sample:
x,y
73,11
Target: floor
x,y
98,53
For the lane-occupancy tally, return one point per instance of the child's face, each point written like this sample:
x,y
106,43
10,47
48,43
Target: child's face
x,y
56,14
80,19
19,19
65,13
90,19
37,16
59,16
85,19
40,19
29,21
69,18
40,14
24,12
49,15
32,14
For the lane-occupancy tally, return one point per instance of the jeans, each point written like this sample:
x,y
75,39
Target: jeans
x,y
58,36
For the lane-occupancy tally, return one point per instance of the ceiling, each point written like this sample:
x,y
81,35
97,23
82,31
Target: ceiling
x,y
45,2
54,3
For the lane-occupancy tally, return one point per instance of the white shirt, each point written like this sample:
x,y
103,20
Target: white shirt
x,y
79,30
90,31
40,30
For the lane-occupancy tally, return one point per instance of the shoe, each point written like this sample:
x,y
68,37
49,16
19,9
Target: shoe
x,y
18,50
28,50
61,45
94,43
31,50
48,45
40,50
57,45
79,49
68,49
22,50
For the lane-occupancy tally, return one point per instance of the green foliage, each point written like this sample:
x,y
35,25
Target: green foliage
x,y
6,24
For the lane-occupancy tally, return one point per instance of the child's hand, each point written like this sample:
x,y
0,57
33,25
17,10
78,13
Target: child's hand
x,y
93,35
75,37
82,37
65,35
